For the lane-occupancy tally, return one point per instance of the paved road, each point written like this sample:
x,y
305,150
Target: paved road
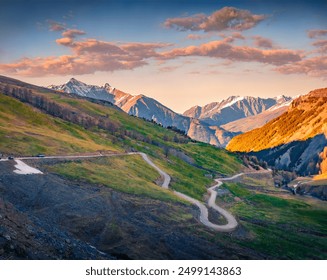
x,y
231,221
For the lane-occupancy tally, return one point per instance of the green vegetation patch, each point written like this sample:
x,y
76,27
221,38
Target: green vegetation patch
x,y
283,226
129,174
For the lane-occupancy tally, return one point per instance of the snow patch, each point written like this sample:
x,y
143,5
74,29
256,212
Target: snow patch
x,y
233,101
23,168
214,108
277,106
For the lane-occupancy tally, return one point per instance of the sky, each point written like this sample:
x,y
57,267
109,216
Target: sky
x,y
182,53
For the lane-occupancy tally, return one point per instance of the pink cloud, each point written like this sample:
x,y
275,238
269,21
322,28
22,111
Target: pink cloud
x,y
87,57
321,45
166,69
186,23
72,33
317,33
194,37
313,66
200,36
238,35
227,18
56,26
261,42
64,41
225,50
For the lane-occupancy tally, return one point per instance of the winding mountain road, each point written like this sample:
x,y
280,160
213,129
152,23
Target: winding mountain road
x,y
204,213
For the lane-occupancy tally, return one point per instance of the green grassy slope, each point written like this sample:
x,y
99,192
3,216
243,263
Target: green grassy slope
x,y
127,173
25,130
278,225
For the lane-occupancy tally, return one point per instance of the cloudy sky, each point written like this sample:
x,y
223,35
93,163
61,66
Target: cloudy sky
x,y
182,53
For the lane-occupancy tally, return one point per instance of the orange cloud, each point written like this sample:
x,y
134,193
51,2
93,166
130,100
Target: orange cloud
x,y
227,18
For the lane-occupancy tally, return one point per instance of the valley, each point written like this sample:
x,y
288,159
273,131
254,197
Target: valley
x,y
99,196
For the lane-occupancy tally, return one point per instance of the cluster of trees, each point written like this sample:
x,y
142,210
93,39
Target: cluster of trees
x,y
88,121
253,161
59,110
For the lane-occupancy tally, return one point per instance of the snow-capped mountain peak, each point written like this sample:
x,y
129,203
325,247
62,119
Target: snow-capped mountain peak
x,y
282,98
74,81
108,87
92,91
137,105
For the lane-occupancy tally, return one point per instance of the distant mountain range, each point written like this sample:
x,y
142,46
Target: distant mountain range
x,y
235,108
199,123
296,140
150,109
287,133
137,105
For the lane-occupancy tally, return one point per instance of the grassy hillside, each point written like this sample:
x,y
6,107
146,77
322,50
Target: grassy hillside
x,y
128,174
276,223
26,130
305,118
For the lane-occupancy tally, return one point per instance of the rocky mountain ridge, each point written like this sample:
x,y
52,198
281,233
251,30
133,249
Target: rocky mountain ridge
x,y
150,109
201,124
236,107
